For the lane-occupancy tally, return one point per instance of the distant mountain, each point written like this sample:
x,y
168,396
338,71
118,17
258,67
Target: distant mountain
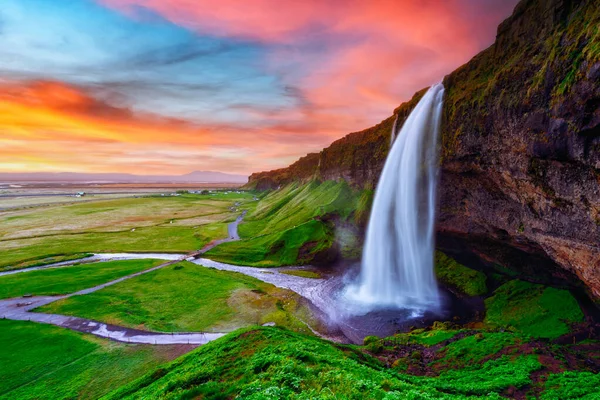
x,y
192,177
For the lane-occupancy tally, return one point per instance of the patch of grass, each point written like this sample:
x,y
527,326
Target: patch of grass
x,y
48,260
456,275
572,385
302,273
168,238
63,280
433,337
187,297
474,348
535,310
363,206
47,362
493,376
426,337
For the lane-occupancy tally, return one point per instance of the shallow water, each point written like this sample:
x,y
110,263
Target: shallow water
x,y
323,294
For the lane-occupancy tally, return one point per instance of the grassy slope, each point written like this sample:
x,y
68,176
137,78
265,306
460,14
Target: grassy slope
x,y
269,363
290,225
168,224
187,297
444,361
42,361
55,281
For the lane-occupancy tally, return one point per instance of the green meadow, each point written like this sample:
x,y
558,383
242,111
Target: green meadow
x,y
186,297
46,362
42,235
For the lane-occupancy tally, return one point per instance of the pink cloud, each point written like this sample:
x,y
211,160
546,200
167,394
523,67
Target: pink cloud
x,y
377,53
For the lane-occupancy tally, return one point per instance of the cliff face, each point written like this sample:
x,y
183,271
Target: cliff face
x,y
521,143
520,163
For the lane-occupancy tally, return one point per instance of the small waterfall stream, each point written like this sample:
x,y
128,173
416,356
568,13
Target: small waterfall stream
x,y
398,259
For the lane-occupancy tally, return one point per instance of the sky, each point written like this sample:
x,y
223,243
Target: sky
x,y
239,86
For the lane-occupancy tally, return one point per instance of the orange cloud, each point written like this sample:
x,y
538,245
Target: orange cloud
x,y
53,126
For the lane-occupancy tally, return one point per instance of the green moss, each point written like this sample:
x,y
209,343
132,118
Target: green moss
x,y
535,310
474,348
466,280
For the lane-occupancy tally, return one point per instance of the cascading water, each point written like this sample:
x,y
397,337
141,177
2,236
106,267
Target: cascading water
x,y
398,258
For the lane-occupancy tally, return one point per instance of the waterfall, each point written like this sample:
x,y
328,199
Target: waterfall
x,y
393,135
398,258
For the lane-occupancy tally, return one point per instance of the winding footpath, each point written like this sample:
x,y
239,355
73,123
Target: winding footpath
x,y
19,309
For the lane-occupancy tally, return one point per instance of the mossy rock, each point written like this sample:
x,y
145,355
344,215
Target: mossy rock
x,y
536,310
466,280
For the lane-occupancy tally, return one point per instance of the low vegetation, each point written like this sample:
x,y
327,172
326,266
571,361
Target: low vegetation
x,y
63,280
47,362
186,297
48,260
146,224
271,363
444,361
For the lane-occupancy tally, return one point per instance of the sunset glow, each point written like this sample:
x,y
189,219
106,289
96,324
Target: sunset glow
x,y
172,86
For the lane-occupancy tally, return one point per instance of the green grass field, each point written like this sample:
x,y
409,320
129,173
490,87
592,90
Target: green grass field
x,y
186,297
40,361
145,224
63,280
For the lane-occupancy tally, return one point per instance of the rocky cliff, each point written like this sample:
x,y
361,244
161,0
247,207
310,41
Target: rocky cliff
x,y
520,163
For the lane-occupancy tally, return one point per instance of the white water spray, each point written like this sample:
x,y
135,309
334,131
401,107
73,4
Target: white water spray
x,y
397,266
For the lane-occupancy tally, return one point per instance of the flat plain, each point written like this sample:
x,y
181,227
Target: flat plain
x,y
156,223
